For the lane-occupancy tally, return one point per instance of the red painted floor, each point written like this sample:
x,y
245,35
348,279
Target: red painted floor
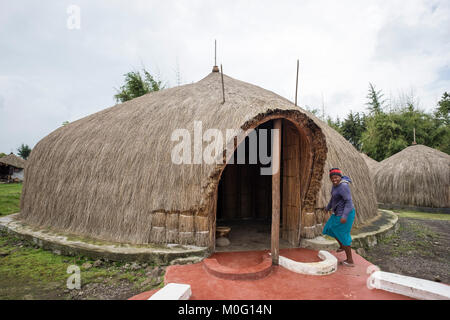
x,y
281,284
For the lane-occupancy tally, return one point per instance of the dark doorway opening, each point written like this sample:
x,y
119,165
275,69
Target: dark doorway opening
x,y
244,201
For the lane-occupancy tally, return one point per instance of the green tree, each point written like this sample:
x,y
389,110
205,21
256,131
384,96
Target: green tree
x,y
442,111
2,154
137,85
336,125
353,127
441,134
24,151
376,104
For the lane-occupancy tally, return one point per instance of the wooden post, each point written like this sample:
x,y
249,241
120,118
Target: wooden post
x,y
223,86
296,84
276,167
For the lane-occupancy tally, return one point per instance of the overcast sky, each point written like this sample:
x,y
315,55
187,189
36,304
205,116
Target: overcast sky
x,y
50,73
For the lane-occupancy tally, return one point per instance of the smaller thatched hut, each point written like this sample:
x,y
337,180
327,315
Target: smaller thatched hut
x,y
371,163
417,176
11,168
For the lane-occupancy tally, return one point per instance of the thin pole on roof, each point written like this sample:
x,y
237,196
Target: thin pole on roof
x,y
223,86
296,84
414,142
215,67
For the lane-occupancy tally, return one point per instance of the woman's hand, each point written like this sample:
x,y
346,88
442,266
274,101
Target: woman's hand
x,y
343,220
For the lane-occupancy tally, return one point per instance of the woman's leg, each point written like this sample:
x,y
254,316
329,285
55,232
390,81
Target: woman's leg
x,y
348,252
341,247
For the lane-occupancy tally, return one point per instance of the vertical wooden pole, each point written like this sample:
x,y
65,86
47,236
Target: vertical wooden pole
x,y
223,86
276,164
296,84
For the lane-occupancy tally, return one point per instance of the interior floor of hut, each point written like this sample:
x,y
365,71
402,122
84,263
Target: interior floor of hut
x,y
249,235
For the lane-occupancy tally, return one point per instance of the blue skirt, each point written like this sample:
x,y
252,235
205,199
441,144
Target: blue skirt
x,y
338,230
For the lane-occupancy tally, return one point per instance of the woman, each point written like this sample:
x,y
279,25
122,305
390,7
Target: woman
x,y
340,222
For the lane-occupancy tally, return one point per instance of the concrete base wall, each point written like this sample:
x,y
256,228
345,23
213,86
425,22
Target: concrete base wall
x,y
62,244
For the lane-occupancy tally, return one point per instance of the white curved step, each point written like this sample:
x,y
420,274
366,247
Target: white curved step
x,y
327,266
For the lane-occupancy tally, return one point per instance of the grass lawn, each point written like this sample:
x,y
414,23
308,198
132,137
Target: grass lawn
x,y
422,215
28,272
10,198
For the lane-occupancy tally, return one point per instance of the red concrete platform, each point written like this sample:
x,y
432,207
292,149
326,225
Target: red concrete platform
x,y
346,283
239,265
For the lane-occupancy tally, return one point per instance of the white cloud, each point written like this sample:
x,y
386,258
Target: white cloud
x,y
342,46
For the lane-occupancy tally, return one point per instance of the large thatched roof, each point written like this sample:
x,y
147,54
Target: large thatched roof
x,y
416,176
13,160
104,175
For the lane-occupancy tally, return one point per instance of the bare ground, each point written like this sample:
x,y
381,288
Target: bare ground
x,y
420,248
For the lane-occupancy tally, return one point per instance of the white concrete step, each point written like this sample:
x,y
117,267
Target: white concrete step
x,y
173,291
409,286
327,266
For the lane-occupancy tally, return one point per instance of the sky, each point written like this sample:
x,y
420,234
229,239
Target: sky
x,y
63,60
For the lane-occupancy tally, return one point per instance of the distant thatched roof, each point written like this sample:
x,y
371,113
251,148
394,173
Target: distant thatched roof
x,y
371,163
416,176
105,174
13,160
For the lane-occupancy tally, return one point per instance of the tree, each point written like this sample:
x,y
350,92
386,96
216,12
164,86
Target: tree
x,y
2,154
336,125
352,128
24,151
375,103
137,85
441,134
442,111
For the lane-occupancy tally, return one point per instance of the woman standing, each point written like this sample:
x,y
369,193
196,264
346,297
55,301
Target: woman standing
x,y
340,222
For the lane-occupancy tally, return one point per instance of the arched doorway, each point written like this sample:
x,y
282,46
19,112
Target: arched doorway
x,y
244,196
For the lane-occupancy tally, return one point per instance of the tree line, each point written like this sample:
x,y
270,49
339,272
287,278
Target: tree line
x,y
384,130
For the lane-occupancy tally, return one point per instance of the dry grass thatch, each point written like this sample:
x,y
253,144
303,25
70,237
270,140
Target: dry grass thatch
x,y
110,175
417,176
13,160
372,164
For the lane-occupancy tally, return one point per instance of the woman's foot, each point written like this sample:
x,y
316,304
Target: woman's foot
x,y
348,264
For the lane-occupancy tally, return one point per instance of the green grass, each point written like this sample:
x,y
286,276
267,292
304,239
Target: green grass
x,y
29,271
422,215
10,198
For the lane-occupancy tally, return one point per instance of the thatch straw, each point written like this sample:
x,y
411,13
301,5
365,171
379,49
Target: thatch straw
x,y
417,176
13,160
110,175
371,163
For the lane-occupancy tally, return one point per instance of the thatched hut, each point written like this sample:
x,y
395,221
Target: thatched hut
x,y
11,168
418,176
372,164
113,178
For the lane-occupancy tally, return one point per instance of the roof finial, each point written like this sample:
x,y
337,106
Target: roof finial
x,y
215,68
414,142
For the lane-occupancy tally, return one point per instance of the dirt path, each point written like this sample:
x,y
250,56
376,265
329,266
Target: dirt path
x,y
420,248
